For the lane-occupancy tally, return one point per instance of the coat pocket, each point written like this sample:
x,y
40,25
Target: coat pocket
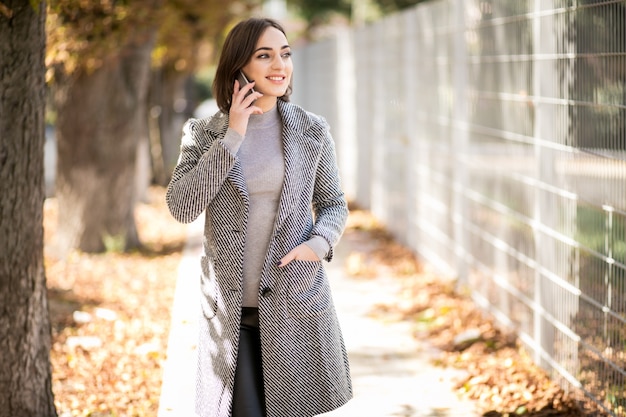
x,y
208,288
309,291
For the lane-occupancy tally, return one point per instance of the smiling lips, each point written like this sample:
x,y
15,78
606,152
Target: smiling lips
x,y
276,78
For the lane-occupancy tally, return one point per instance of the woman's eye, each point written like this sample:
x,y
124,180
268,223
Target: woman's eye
x,y
287,55
263,56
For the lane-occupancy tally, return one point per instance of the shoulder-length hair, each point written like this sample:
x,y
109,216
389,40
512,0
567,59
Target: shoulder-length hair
x,y
237,51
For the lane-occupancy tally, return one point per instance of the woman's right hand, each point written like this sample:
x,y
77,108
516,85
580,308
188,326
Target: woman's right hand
x,y
241,107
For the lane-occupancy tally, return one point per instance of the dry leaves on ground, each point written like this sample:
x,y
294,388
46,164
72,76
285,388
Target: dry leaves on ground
x,y
110,316
501,378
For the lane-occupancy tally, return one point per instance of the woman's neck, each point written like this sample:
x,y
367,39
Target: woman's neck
x,y
266,103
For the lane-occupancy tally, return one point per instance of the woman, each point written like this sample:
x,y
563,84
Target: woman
x,y
264,172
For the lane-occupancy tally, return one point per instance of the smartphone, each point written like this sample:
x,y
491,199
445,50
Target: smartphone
x,y
243,81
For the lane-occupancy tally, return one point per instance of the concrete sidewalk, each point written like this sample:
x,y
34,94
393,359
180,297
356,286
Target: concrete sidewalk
x,y
392,373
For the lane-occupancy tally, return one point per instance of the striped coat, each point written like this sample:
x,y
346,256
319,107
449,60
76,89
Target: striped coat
x,y
305,366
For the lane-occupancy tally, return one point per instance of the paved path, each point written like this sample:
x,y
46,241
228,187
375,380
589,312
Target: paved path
x,y
177,391
392,373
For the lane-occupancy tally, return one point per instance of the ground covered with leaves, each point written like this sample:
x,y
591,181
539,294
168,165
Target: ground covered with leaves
x,y
501,377
110,318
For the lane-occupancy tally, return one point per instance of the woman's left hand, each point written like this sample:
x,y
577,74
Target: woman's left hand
x,y
301,252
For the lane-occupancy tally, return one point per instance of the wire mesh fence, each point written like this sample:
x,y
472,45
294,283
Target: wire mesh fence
x,y
490,136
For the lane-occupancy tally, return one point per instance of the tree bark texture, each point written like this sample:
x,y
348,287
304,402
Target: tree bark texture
x,y
25,374
100,118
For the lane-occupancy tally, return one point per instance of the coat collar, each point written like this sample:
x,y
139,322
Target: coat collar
x,y
295,119
300,144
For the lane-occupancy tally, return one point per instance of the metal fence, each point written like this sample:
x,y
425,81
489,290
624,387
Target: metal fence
x,y
490,136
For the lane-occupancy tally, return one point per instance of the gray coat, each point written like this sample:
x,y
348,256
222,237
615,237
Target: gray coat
x,y
305,365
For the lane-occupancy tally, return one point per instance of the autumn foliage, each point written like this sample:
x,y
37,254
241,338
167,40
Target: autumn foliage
x,y
110,316
500,376
82,34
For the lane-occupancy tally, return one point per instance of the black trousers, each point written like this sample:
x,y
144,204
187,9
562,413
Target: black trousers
x,y
248,395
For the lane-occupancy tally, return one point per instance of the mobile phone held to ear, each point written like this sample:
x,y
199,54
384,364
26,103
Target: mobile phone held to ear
x,y
243,81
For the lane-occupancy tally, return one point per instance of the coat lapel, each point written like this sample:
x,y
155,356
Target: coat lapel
x,y
300,150
235,176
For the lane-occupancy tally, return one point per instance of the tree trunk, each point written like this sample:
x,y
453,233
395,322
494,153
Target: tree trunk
x,y
101,116
170,106
25,374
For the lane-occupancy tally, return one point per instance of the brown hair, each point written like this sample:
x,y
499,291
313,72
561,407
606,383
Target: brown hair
x,y
236,52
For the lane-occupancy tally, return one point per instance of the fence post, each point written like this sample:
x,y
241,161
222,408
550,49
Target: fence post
x,y
346,109
460,141
544,86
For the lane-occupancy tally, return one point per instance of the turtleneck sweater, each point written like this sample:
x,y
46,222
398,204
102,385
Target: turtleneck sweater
x,y
261,155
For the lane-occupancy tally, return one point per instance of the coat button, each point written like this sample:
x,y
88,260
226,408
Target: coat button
x,y
266,291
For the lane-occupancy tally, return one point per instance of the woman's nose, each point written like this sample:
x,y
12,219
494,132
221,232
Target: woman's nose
x,y
278,62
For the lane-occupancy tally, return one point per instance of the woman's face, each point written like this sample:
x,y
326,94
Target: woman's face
x,y
270,67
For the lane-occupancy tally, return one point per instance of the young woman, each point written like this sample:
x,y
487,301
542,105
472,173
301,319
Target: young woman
x,y
264,172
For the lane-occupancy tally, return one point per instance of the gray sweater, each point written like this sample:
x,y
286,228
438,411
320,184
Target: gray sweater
x,y
261,155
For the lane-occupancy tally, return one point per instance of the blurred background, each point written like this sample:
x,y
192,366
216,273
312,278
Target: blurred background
x,y
124,77
487,135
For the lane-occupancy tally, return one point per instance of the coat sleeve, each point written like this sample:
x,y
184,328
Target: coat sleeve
x,y
329,204
202,168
